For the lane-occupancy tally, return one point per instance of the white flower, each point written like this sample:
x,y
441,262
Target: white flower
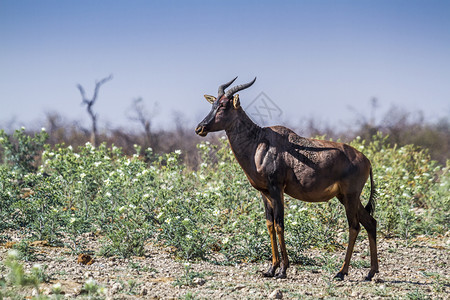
x,y
36,267
132,206
121,209
177,152
103,290
82,175
97,163
108,194
225,241
188,236
56,288
14,254
90,283
216,212
43,129
146,196
72,220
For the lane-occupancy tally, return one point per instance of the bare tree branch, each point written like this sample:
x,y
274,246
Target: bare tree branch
x,y
90,102
143,118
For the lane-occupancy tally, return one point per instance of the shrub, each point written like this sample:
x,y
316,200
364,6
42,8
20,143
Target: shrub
x,y
211,213
21,150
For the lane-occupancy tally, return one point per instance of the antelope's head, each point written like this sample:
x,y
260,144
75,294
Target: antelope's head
x,y
224,108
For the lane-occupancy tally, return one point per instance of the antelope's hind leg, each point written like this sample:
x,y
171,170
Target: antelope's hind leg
x,y
351,209
370,224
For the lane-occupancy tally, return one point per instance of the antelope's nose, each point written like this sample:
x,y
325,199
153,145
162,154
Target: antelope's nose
x,y
200,130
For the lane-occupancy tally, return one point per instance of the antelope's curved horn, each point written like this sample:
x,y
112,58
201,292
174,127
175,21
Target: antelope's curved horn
x,y
222,88
239,88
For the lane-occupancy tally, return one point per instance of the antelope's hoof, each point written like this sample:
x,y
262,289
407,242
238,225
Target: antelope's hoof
x,y
370,275
339,276
270,272
281,275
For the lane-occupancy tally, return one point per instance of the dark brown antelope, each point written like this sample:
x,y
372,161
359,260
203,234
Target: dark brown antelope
x,y
278,161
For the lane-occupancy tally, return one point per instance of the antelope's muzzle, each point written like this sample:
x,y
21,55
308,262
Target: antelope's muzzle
x,y
200,130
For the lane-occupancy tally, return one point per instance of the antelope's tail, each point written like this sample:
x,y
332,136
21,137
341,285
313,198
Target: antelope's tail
x,y
370,207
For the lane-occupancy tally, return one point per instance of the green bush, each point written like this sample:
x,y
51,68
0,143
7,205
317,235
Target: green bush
x,y
21,150
211,213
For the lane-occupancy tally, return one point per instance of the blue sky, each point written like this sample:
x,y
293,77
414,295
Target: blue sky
x,y
312,58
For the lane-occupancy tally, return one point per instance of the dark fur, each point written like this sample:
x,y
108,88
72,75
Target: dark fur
x,y
278,161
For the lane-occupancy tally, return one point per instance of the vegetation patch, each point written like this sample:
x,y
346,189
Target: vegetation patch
x,y
65,195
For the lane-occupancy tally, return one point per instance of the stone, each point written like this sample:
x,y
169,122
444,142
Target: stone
x,y
276,294
85,259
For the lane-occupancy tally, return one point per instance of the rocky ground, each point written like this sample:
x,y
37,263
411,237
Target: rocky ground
x,y
419,270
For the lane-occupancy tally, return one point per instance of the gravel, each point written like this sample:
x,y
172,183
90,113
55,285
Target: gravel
x,y
417,270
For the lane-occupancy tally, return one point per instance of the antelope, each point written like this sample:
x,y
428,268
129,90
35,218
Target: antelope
x,y
276,161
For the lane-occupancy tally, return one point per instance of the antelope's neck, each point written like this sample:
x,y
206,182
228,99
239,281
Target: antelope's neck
x,y
244,136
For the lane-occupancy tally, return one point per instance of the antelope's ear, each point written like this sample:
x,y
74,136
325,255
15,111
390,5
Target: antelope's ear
x,y
210,98
236,102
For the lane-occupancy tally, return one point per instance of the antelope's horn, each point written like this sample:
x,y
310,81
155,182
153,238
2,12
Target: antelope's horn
x,y
222,88
239,88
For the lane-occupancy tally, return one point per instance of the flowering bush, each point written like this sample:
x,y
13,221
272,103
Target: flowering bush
x,y
129,201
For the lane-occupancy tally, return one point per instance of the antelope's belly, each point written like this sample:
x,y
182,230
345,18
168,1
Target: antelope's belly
x,y
313,194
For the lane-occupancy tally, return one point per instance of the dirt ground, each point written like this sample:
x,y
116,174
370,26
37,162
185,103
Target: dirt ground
x,y
419,270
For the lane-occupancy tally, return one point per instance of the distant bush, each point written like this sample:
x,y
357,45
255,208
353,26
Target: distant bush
x,y
20,150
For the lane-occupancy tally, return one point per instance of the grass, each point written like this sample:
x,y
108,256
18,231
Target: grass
x,y
200,214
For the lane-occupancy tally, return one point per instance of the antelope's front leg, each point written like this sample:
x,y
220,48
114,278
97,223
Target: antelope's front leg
x,y
273,238
276,202
279,228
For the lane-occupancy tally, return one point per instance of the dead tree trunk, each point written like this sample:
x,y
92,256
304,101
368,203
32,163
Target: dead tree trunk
x,y
144,119
89,103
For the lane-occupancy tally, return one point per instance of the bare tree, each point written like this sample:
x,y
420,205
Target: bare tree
x,y
140,115
89,103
